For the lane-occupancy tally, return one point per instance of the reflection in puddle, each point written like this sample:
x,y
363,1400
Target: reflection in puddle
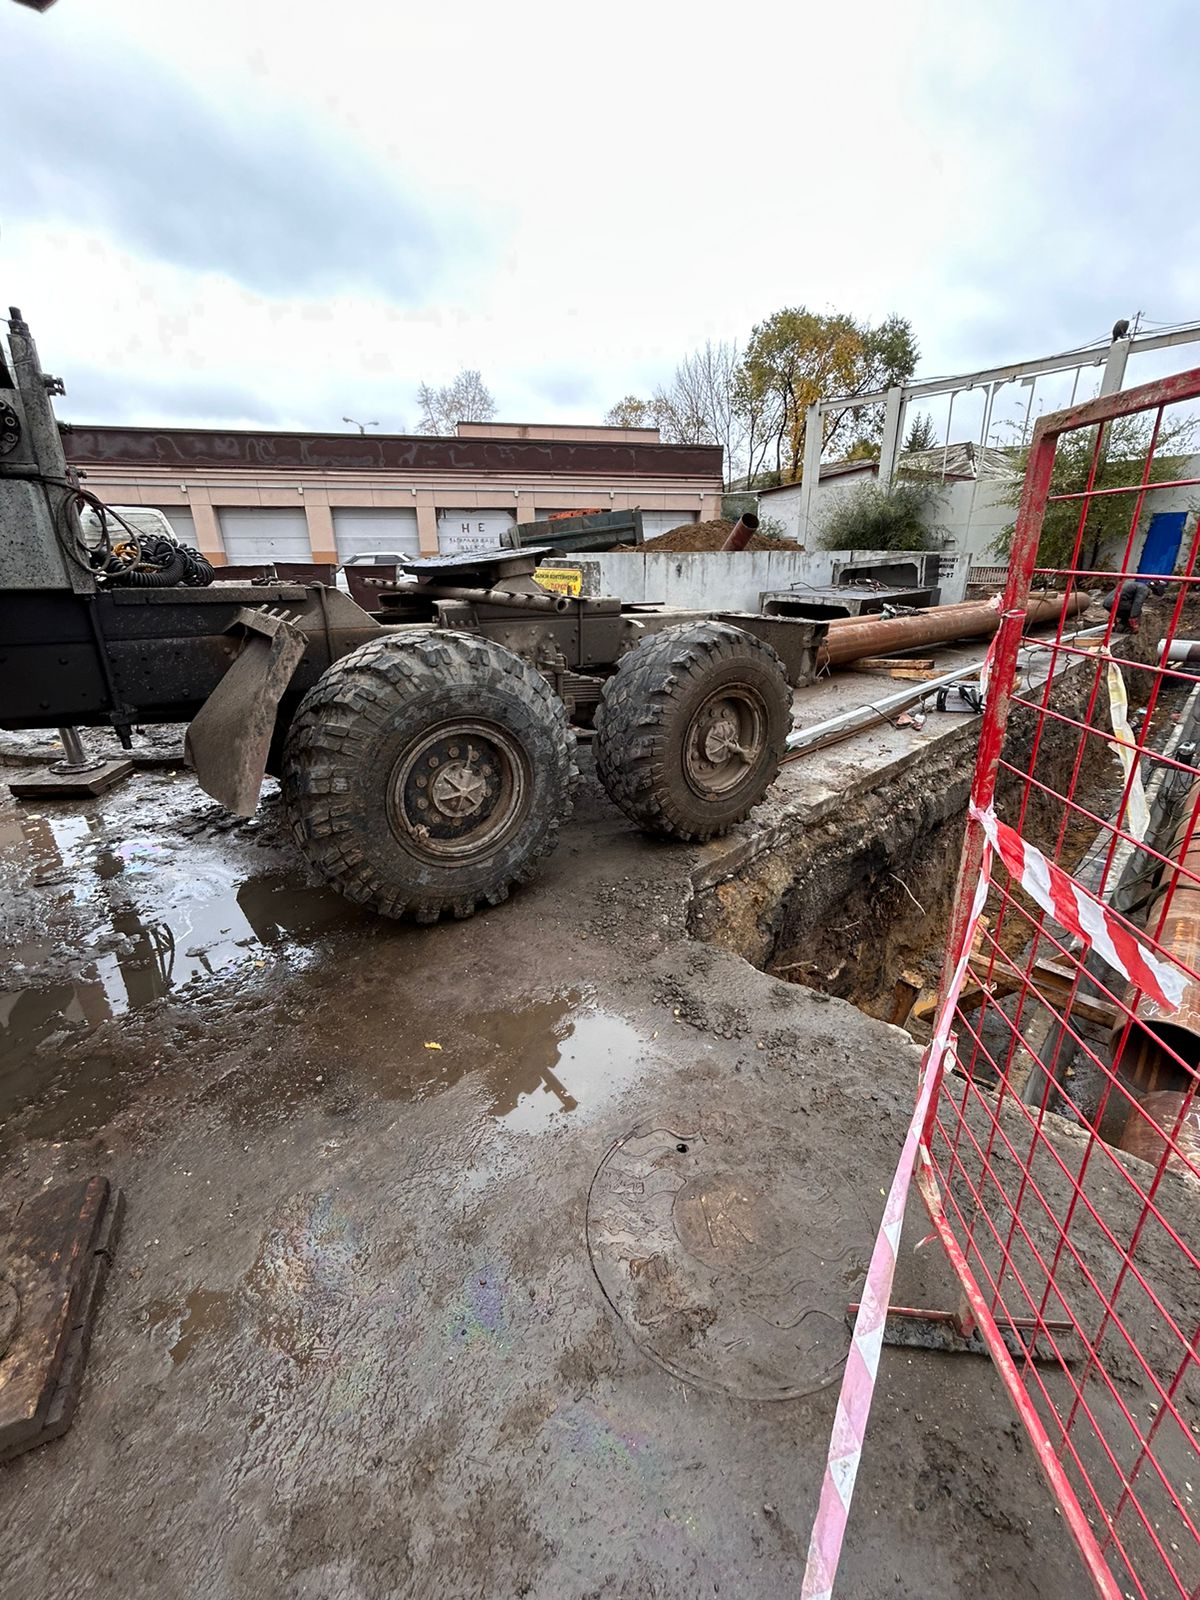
x,y
595,1055
165,919
204,1311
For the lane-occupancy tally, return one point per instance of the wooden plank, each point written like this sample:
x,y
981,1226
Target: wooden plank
x,y
886,663
911,674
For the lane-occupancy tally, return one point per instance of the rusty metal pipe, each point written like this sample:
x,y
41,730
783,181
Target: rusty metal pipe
x,y
742,532
1166,1111
499,597
853,638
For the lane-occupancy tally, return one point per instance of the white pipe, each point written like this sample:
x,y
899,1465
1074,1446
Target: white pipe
x,y
866,715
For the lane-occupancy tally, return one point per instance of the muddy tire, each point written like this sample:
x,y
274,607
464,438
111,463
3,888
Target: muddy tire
x,y
691,729
428,775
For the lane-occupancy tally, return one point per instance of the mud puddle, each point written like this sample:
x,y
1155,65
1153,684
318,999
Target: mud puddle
x,y
103,917
533,1063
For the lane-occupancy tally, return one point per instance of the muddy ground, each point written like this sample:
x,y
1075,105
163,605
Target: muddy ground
x,y
358,1341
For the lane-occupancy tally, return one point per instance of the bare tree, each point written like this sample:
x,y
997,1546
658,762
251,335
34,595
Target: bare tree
x,y
698,406
465,399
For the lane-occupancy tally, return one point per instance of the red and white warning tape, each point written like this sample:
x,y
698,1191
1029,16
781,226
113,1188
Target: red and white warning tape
x,y
1081,913
1075,909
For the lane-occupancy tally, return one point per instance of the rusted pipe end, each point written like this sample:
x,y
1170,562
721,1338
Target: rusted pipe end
x,y
741,532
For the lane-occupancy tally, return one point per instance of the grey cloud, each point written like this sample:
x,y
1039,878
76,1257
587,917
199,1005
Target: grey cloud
x,y
98,396
278,202
1081,218
564,388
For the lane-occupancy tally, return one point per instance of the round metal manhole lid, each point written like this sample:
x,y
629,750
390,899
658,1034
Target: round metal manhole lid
x,y
10,1313
730,1252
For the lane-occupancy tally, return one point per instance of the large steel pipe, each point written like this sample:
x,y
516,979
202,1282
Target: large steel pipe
x,y
854,638
742,532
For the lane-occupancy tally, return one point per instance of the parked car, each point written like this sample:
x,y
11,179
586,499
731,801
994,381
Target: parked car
x,y
390,559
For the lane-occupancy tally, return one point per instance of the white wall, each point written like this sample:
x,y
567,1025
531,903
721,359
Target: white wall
x,y
783,504
713,581
971,515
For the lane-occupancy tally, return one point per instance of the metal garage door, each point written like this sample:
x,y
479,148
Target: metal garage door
x,y
359,530
656,522
461,532
257,533
183,525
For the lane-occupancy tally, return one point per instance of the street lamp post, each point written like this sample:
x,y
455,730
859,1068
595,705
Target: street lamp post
x,y
361,426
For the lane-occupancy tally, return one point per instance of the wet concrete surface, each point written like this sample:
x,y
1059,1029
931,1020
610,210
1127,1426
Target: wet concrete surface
x,y
354,1345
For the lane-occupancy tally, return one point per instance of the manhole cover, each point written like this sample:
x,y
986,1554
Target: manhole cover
x,y
730,1253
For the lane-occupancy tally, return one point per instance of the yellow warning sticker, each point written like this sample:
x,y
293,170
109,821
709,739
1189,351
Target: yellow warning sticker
x,y
560,580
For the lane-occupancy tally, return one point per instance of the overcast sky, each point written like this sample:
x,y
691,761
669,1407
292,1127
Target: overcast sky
x,y
282,212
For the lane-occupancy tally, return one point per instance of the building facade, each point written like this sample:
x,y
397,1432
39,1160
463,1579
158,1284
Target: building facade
x,y
246,497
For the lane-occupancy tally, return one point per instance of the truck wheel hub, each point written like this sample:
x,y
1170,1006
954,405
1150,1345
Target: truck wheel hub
x,y
457,791
724,740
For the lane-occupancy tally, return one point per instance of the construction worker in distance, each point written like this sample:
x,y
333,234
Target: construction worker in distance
x,y
1129,598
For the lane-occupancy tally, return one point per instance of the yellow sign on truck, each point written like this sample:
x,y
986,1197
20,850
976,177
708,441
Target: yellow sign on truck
x,y
560,580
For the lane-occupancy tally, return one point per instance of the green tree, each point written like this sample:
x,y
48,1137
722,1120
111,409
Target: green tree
x,y
862,450
797,357
870,518
1121,465
922,435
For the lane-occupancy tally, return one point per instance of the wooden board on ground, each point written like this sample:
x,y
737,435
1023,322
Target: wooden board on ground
x,y
55,1250
896,663
914,672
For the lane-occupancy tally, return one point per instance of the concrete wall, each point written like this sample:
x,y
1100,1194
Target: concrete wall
x,y
710,581
971,515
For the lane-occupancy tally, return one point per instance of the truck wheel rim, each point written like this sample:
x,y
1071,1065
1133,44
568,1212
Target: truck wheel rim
x,y
457,792
724,741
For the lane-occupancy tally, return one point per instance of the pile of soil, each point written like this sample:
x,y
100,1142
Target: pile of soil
x,y
709,535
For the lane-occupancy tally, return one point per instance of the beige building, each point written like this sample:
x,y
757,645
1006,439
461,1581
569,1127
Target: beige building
x,y
245,497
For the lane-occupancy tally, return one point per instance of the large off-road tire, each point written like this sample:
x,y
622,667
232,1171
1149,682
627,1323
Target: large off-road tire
x,y
428,774
691,728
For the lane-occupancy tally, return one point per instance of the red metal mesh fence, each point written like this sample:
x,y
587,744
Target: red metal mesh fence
x,y
1061,1155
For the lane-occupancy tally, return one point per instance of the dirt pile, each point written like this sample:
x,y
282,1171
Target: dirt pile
x,y
710,535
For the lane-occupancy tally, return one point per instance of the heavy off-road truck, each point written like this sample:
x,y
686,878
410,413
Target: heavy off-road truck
x,y
426,749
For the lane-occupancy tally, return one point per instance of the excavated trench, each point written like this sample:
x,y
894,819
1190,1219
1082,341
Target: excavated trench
x,y
847,905
857,904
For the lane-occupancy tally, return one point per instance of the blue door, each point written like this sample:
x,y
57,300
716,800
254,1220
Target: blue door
x,y
1163,538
